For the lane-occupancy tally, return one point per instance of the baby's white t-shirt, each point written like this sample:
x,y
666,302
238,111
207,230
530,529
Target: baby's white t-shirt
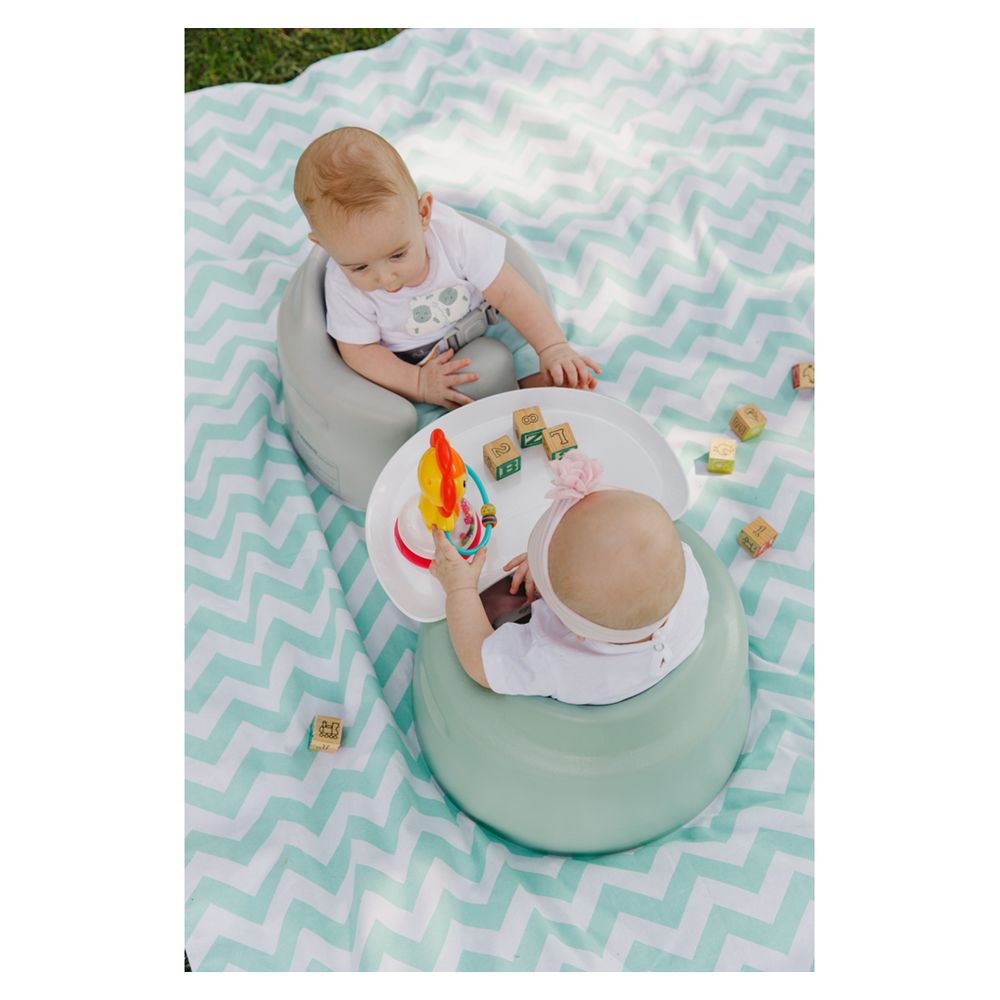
x,y
464,257
544,657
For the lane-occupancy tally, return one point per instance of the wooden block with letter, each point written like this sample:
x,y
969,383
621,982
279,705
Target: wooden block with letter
x,y
757,537
558,440
501,457
747,422
804,376
325,734
528,426
721,455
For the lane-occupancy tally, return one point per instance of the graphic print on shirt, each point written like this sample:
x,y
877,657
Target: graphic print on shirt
x,y
430,312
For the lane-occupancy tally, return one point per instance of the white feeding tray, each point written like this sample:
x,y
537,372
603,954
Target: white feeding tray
x,y
632,451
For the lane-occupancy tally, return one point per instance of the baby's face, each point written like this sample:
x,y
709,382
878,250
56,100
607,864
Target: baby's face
x,y
383,249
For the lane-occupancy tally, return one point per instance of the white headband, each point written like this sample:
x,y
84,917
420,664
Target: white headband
x,y
574,476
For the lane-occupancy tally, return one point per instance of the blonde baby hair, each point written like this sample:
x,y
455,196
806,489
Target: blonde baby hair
x,y
348,172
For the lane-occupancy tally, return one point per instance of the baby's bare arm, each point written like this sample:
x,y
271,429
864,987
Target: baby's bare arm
x,y
378,364
511,295
469,628
468,625
434,382
527,312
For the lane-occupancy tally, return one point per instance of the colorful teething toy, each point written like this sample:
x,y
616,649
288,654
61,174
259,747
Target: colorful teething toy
x,y
442,503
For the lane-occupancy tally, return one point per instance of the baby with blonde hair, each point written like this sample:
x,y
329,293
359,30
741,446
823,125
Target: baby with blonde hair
x,y
619,599
411,283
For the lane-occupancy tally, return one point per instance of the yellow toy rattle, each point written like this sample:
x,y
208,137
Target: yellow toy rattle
x,y
441,475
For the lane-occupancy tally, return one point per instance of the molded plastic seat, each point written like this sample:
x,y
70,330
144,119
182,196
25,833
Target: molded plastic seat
x,y
589,779
343,426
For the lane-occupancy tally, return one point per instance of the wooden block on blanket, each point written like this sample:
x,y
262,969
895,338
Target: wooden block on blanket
x,y
747,422
325,733
804,376
501,457
721,455
757,537
558,440
528,426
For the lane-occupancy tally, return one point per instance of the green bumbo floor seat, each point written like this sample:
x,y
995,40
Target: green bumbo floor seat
x,y
345,427
590,779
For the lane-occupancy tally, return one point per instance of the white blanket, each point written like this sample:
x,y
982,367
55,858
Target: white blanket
x,y
664,183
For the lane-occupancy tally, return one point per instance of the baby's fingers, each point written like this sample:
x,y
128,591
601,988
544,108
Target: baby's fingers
x,y
457,398
586,380
441,544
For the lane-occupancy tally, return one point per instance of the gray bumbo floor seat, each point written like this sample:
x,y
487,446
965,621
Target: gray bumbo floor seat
x,y
343,426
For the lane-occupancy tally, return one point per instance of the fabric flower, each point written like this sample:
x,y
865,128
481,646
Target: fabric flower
x,y
574,476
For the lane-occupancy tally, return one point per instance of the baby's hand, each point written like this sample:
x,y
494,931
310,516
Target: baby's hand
x,y
562,365
451,570
436,380
522,574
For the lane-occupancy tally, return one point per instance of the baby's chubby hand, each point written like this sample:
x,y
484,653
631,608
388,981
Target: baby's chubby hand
x,y
437,378
522,574
451,570
563,366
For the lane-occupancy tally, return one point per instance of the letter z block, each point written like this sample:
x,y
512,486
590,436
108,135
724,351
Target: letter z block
x,y
528,426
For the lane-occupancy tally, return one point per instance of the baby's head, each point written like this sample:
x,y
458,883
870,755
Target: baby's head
x,y
363,208
616,559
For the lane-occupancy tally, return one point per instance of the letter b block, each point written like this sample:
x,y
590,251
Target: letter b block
x,y
501,457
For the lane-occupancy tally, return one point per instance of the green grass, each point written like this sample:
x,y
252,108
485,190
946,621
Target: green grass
x,y
266,55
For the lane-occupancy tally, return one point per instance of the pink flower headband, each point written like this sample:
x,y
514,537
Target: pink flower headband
x,y
574,476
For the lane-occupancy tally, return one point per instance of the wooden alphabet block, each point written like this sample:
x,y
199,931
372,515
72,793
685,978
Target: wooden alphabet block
x,y
528,426
721,455
558,440
747,422
501,457
757,537
325,734
804,376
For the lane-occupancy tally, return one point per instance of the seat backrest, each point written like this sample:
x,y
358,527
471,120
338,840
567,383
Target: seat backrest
x,y
303,345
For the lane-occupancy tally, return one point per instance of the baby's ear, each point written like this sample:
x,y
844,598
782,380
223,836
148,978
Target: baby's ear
x,y
425,206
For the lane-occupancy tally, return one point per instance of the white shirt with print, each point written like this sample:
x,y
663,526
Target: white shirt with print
x,y
465,258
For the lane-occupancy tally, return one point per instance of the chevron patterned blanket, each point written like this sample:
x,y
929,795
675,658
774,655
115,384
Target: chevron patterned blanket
x,y
664,183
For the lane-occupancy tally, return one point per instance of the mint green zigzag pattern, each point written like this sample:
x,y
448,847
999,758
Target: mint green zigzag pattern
x,y
276,566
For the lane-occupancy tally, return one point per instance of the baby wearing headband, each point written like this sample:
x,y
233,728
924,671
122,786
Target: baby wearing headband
x,y
620,600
